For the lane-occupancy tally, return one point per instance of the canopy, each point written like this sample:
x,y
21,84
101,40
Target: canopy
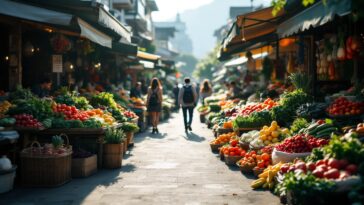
x,y
125,48
37,14
147,56
314,16
249,29
242,60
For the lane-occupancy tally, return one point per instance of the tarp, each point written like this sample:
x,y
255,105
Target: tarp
x,y
314,16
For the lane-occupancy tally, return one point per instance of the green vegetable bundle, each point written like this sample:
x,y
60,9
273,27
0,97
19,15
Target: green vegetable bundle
x,y
255,120
129,127
41,109
347,147
20,94
104,99
114,136
298,124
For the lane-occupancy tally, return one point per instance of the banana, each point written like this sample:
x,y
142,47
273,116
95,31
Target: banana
x,y
257,183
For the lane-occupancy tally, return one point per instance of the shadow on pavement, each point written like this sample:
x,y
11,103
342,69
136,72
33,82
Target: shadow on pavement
x,y
128,168
194,137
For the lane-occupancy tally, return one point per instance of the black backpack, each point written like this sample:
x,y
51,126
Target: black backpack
x,y
153,100
188,94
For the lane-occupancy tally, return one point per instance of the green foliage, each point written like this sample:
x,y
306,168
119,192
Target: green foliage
x,y
57,141
114,136
347,147
104,99
205,65
20,94
301,81
129,127
279,4
92,123
39,108
255,120
304,187
298,124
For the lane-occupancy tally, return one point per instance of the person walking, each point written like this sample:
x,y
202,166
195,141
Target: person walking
x,y
154,103
205,90
187,99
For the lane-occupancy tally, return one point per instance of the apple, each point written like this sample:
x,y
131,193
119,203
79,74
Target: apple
x,y
311,166
343,163
352,169
319,173
334,163
332,174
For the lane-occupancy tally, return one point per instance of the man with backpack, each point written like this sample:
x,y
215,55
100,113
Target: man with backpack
x,y
187,99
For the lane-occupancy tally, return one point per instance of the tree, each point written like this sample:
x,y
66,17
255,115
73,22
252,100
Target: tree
x,y
279,4
188,63
205,65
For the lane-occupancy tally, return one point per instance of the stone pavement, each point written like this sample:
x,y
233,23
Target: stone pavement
x,y
169,168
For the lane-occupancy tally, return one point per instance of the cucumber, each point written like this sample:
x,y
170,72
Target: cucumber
x,y
320,128
327,131
312,126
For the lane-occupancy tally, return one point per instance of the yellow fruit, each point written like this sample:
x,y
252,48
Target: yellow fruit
x,y
274,140
273,128
266,142
274,123
265,127
263,137
269,138
285,131
275,134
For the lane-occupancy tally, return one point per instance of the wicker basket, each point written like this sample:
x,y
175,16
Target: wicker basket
x,y
245,169
215,147
231,160
45,170
258,171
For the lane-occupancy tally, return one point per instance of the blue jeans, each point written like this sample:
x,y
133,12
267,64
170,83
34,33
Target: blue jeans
x,y
190,112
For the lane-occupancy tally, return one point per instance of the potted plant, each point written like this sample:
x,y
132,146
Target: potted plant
x,y
129,129
113,148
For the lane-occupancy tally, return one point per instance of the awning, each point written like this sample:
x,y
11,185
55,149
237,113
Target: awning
x,y
125,48
243,60
258,25
23,11
252,25
147,64
93,34
147,56
91,11
314,16
41,15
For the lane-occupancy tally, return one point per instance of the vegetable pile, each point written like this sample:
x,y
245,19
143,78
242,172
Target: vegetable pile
x,y
300,144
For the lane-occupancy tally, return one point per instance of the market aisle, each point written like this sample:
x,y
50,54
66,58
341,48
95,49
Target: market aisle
x,y
170,168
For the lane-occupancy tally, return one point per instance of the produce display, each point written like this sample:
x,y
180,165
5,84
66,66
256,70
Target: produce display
x,y
223,139
342,106
272,133
28,121
255,120
320,129
4,107
300,144
249,109
248,137
266,179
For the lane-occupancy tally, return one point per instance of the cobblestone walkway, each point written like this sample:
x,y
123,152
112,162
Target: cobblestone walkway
x,y
169,168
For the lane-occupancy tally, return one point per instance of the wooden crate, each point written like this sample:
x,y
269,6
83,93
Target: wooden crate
x,y
113,154
84,167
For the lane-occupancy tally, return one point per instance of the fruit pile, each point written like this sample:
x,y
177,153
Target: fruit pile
x,y
26,120
271,134
325,168
233,149
249,160
4,107
70,112
223,138
266,105
228,125
342,106
106,117
267,178
300,143
130,114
